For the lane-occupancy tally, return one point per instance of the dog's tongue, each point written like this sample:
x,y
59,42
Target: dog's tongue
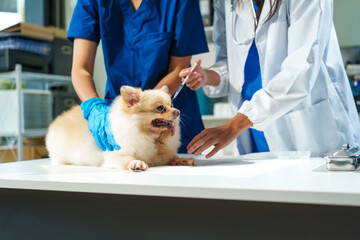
x,y
172,128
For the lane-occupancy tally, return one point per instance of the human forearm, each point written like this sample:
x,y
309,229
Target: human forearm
x,y
172,79
83,68
199,77
213,78
83,84
219,136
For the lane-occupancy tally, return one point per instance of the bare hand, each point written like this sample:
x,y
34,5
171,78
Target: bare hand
x,y
219,137
197,79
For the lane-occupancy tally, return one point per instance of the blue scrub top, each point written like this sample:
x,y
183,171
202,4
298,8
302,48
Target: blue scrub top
x,y
137,46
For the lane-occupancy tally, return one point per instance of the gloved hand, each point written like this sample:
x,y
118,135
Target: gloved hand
x,y
96,111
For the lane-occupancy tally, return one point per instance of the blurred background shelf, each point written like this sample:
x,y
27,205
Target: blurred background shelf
x,y
213,118
36,76
28,108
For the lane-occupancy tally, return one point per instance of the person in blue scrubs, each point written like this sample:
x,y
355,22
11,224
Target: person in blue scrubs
x,y
145,43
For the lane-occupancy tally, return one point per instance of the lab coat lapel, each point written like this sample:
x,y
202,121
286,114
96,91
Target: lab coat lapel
x,y
245,23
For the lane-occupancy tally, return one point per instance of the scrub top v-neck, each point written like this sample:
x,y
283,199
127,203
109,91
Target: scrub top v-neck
x,y
137,46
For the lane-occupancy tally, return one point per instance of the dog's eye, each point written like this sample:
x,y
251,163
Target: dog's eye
x,y
161,108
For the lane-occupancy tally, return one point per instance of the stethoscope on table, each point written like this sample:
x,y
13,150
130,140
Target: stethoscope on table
x,y
232,10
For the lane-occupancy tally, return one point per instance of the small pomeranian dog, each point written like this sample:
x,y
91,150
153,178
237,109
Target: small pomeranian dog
x,y
144,125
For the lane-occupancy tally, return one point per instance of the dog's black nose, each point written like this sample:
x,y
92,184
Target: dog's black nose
x,y
176,113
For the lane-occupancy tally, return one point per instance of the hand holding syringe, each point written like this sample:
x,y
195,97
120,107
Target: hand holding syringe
x,y
193,77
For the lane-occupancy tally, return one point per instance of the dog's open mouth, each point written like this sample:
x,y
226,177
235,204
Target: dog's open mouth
x,y
159,122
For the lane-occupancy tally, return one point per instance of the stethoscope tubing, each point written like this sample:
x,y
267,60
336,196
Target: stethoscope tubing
x,y
233,30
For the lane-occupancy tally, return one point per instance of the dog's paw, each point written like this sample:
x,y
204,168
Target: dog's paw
x,y
183,162
137,165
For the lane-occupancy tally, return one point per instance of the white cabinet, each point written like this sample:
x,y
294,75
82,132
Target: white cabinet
x,y
27,112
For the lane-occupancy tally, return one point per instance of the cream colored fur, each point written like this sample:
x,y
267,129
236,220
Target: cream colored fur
x,y
69,140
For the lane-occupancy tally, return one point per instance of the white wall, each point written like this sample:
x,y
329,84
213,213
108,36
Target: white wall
x,y
347,22
10,18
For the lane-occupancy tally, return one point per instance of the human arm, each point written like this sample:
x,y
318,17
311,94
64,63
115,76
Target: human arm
x,y
220,136
299,70
83,68
219,71
215,79
95,110
178,70
188,26
307,30
84,32
199,77
172,79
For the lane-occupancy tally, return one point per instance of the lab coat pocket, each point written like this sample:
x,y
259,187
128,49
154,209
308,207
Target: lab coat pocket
x,y
313,129
156,53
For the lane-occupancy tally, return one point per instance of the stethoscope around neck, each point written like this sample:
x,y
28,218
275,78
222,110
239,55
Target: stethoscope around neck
x,y
233,19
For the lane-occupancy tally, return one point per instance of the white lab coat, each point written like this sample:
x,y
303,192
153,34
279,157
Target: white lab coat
x,y
306,101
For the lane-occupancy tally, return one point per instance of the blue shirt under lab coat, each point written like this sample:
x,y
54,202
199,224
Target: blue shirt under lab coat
x,y
137,46
252,83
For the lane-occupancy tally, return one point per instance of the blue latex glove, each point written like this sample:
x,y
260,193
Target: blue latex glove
x,y
96,111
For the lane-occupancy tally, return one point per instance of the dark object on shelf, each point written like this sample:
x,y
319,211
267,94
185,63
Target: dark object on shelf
x,y
357,102
32,62
17,41
63,100
29,30
33,53
61,57
353,72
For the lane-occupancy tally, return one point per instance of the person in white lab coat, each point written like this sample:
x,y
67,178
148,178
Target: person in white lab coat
x,y
299,100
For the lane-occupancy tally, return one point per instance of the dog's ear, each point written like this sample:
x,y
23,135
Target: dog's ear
x,y
165,89
130,95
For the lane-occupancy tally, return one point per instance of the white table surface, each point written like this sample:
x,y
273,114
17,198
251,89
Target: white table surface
x,y
290,178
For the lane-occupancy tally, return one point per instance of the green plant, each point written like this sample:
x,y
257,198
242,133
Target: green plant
x,y
7,84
